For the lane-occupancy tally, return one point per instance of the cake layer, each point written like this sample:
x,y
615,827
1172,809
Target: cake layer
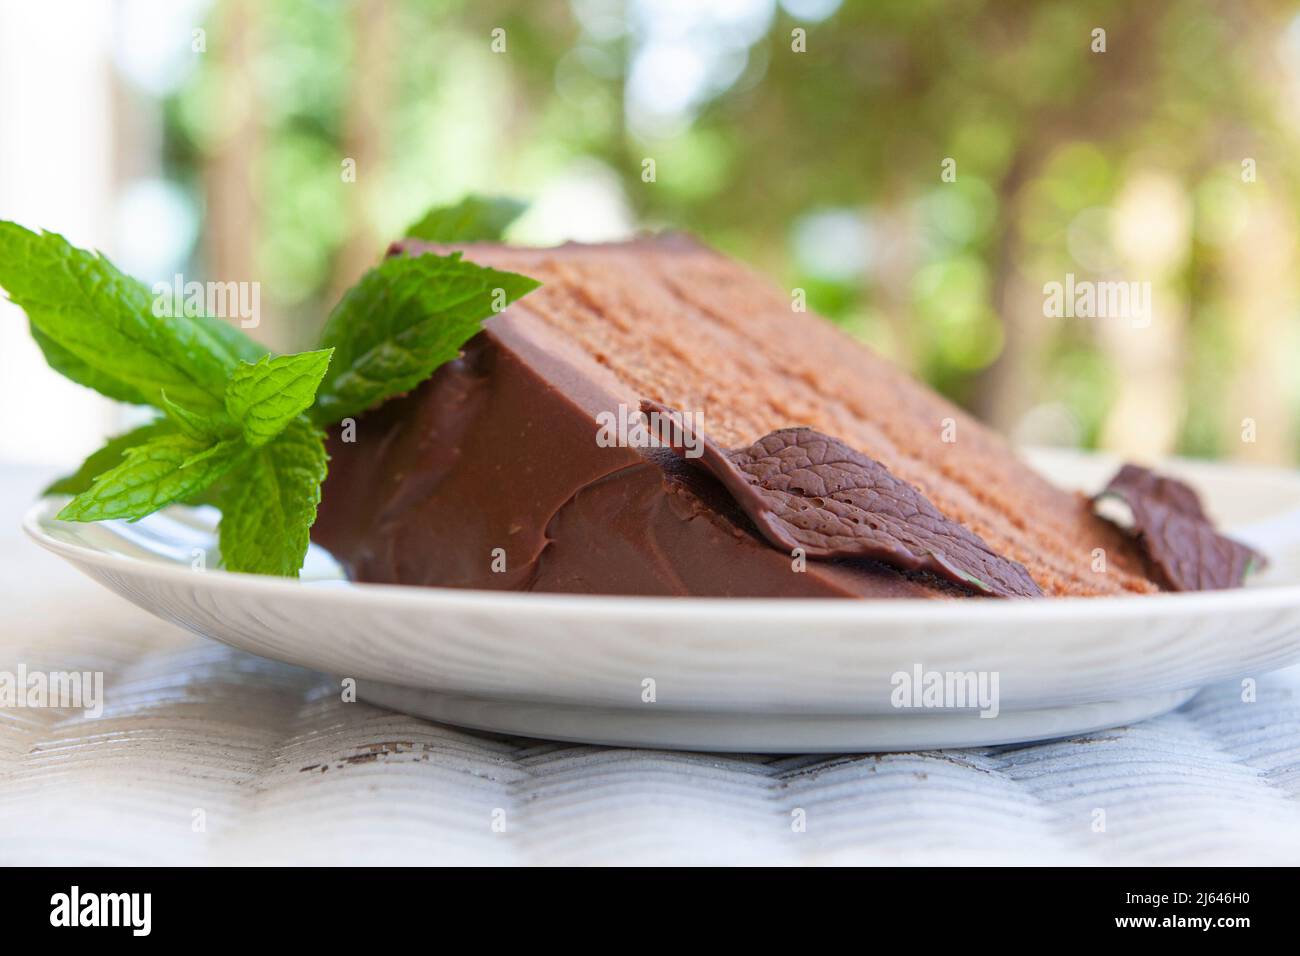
x,y
434,481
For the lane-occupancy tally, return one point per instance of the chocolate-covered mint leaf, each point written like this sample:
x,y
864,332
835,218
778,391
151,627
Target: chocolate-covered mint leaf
x,y
803,489
473,219
153,474
1183,550
268,503
108,457
264,397
406,317
97,326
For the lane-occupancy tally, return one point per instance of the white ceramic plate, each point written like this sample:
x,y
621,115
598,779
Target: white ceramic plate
x,y
773,675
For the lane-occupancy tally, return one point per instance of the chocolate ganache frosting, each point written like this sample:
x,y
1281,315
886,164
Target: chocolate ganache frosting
x,y
490,476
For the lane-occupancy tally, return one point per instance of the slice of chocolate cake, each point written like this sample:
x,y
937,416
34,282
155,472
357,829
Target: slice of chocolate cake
x,y
498,472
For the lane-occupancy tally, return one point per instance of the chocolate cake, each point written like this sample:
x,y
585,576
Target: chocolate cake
x,y
492,473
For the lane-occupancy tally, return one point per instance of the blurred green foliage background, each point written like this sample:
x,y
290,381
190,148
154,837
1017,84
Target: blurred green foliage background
x,y
817,156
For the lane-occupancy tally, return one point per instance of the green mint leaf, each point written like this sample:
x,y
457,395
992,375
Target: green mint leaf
x,y
265,397
97,326
153,474
268,503
473,219
108,457
215,451
202,426
406,317
74,369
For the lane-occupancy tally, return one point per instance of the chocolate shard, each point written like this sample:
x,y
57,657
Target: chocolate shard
x,y
803,489
1183,550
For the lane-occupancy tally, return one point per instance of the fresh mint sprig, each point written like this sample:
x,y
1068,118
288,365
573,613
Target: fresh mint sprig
x,y
240,428
406,317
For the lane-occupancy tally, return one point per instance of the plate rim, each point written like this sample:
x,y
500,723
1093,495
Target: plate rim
x,y
918,611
